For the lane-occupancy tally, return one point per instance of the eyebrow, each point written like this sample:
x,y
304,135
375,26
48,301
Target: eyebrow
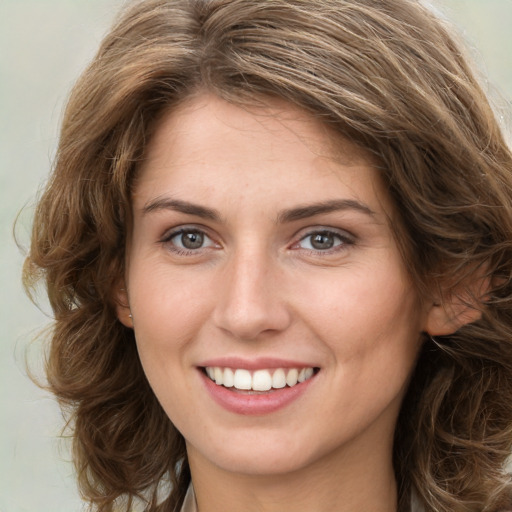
x,y
285,216
306,211
166,203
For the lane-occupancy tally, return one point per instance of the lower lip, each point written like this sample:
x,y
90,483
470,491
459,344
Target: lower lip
x,y
259,404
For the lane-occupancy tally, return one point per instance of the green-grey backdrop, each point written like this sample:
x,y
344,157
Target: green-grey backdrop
x,y
43,46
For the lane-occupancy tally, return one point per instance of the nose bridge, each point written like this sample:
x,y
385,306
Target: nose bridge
x,y
251,300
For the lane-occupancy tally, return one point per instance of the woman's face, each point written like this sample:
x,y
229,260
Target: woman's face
x,y
259,257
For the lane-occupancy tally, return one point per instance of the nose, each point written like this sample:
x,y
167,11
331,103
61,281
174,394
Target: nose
x,y
251,300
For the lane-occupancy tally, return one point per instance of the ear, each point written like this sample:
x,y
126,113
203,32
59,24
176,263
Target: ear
x,y
445,319
460,307
122,302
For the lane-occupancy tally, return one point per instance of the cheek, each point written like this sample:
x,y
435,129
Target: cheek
x,y
163,303
362,307
370,325
167,317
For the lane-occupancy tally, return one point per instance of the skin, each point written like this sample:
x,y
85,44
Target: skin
x,y
257,287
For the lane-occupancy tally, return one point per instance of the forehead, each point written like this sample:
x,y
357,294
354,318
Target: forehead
x,y
198,115
206,143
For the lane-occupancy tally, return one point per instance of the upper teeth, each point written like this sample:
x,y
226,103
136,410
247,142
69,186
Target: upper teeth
x,y
260,380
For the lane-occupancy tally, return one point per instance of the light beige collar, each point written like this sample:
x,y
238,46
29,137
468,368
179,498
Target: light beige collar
x,y
189,504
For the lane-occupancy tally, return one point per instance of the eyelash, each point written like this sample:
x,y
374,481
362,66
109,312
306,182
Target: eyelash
x,y
342,241
183,251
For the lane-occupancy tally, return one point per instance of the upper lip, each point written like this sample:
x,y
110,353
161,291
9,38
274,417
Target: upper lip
x,y
259,363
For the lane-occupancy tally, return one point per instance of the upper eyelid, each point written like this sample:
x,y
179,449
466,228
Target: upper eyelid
x,y
171,232
167,241
343,233
347,240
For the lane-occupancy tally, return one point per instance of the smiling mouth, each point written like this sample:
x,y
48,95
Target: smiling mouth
x,y
240,379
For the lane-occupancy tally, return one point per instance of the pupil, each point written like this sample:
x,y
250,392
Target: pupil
x,y
192,240
322,241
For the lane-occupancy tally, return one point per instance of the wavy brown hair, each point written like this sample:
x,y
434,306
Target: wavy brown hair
x,y
387,76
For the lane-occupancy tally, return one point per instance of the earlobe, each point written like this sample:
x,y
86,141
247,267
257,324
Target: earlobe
x,y
123,311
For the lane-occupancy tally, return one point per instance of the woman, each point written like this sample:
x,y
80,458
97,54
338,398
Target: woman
x,y
277,245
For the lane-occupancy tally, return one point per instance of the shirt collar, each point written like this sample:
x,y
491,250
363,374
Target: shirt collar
x,y
189,503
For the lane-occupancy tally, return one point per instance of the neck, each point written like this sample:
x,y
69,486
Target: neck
x,y
356,480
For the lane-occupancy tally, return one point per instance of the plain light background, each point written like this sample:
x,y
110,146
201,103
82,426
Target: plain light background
x,y
44,44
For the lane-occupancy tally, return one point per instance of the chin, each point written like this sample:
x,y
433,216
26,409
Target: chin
x,y
263,465
261,458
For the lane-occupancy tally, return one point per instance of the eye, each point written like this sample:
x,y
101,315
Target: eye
x,y
323,240
188,240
